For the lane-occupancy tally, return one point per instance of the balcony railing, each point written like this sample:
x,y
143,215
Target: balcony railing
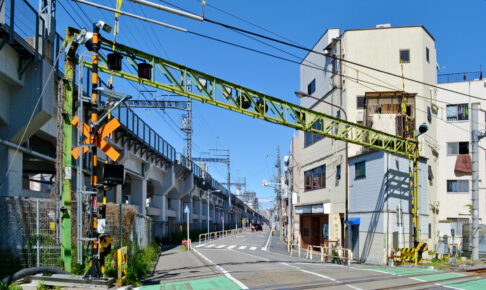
x,y
459,77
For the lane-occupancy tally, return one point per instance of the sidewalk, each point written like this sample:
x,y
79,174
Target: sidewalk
x,y
177,269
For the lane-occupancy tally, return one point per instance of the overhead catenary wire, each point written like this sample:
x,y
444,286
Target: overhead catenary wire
x,y
360,81
301,47
171,124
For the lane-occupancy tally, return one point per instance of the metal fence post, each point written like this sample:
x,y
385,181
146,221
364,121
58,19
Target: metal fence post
x,y
37,232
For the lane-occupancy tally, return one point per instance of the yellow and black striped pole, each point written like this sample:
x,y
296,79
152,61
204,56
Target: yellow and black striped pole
x,y
95,269
412,162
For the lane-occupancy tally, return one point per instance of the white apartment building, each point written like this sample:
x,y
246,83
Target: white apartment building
x,y
454,126
367,97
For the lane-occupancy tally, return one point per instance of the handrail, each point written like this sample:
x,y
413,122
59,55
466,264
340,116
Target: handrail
x,y
130,120
212,236
293,245
329,252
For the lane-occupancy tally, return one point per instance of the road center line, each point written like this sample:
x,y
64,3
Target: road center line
x,y
222,270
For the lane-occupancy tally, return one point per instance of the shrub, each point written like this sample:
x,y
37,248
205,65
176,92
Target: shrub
x,y
138,266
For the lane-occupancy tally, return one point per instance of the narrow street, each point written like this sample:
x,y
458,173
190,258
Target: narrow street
x,y
241,262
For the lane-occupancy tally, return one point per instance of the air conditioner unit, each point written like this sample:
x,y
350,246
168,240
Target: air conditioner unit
x,y
359,116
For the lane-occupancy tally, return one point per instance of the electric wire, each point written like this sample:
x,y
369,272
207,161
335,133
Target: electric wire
x,y
301,47
311,66
242,19
173,128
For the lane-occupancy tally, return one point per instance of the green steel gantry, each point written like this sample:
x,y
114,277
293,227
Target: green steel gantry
x,y
184,81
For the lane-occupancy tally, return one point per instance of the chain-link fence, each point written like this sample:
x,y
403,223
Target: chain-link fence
x,y
30,232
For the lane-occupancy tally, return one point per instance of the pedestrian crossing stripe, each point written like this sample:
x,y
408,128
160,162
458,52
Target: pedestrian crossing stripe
x,y
221,246
210,246
253,248
231,247
242,248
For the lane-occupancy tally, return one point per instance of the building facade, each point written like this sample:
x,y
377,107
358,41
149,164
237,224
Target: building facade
x,y
452,209
380,205
364,96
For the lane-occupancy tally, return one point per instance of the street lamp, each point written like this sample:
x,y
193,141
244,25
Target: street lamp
x,y
346,205
207,215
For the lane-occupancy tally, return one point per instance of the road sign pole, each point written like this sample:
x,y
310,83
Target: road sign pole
x,y
188,241
187,211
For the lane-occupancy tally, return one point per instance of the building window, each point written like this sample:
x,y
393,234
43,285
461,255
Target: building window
x,y
311,87
454,148
315,178
310,138
360,102
458,112
458,186
360,170
338,172
427,54
325,231
430,231
405,55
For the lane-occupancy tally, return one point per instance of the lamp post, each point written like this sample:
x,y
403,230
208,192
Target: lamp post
x,y
346,204
207,216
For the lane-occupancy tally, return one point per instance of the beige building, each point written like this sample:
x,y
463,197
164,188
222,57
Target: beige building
x,y
367,97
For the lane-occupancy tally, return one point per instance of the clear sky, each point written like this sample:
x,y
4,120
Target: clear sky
x,y
457,26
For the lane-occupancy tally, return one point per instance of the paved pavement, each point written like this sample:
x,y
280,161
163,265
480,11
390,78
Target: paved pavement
x,y
256,260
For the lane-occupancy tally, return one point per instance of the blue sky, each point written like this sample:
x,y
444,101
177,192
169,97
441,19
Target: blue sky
x,y
457,26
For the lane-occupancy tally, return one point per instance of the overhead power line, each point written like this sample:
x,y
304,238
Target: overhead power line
x,y
301,47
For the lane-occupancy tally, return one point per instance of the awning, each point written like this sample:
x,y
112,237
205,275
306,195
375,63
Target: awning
x,y
353,221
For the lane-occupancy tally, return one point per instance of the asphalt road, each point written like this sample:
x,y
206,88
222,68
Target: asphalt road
x,y
256,260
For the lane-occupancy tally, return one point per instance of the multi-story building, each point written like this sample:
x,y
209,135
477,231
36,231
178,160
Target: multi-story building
x,y
452,209
362,94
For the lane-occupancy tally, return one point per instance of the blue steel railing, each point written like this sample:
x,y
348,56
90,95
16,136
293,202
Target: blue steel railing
x,y
27,24
459,77
208,179
132,122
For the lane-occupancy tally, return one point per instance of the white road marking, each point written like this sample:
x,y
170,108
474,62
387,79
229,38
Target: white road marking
x,y
320,275
221,246
228,275
242,248
261,258
198,246
268,241
210,246
231,247
263,249
253,248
